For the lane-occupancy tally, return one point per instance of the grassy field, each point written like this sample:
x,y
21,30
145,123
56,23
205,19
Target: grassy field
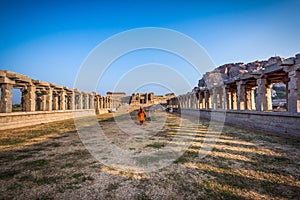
x,y
49,161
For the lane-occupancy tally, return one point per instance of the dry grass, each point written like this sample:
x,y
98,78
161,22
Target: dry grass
x,y
48,161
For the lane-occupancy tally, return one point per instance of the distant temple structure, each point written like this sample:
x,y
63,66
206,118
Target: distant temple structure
x,y
147,99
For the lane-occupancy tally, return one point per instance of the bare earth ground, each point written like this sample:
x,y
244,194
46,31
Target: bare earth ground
x,y
49,161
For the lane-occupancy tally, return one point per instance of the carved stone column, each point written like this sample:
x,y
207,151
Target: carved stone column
x,y
214,99
101,102
248,98
294,91
80,100
55,100
92,101
104,103
6,98
197,100
241,95
71,100
97,104
43,103
62,99
29,98
180,101
253,99
86,101
233,99
226,98
146,98
49,95
263,98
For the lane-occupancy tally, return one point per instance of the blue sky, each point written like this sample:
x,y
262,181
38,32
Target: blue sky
x,y
48,40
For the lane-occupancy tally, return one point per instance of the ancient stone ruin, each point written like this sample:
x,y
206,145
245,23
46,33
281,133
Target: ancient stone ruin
x,y
239,86
43,96
244,90
147,99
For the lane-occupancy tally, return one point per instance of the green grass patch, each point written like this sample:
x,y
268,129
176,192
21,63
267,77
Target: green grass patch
x,y
14,186
46,180
156,145
182,159
77,175
80,178
26,178
10,141
112,186
9,174
36,163
54,144
68,165
21,157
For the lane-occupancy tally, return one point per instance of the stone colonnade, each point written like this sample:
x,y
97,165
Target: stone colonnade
x,y
248,91
43,96
102,103
138,98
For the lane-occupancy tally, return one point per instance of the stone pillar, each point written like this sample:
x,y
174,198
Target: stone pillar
x,y
220,98
55,101
97,104
294,92
49,95
80,100
29,96
263,98
200,100
192,100
187,101
203,100
6,98
104,102
86,101
269,98
241,95
180,101
109,102
197,100
101,102
214,100
92,101
146,98
253,99
207,99
39,100
233,99
226,101
43,103
62,99
71,101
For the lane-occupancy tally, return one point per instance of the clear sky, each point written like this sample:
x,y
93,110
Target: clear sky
x,y
48,40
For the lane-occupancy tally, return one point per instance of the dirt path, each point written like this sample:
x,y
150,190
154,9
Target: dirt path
x,y
53,163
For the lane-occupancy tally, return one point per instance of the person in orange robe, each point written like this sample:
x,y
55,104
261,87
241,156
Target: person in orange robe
x,y
141,115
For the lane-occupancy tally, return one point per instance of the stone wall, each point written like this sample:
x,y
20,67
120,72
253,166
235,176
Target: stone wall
x,y
274,122
43,96
43,102
147,99
22,119
244,92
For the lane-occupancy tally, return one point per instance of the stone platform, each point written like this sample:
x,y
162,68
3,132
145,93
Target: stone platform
x,y
273,122
22,119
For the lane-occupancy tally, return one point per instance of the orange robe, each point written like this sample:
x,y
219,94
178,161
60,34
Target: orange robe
x,y
141,115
